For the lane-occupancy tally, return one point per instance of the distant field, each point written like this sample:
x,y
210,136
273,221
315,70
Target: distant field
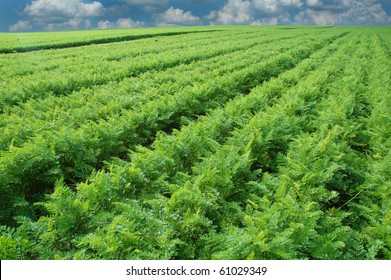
x,y
22,42
196,143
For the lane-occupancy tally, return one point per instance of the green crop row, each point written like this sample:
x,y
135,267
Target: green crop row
x,y
35,117
75,74
73,154
307,207
104,190
88,67
32,63
280,152
209,199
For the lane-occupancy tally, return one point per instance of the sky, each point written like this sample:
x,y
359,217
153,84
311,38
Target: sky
x,y
52,15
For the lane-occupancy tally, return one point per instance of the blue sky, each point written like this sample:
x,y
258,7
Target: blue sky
x,y
49,15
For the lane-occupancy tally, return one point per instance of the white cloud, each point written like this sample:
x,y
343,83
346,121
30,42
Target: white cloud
x,y
105,24
313,3
345,12
120,23
311,12
61,8
21,25
275,6
254,12
211,16
61,14
268,21
73,23
234,12
174,16
128,23
323,17
78,14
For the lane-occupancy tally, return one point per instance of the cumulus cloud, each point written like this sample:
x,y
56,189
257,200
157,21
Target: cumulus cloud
x,y
63,9
60,14
314,17
273,7
174,16
254,12
120,23
310,12
234,12
21,25
73,23
78,14
345,12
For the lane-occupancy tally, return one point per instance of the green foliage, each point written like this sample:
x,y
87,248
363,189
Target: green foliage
x,y
8,245
14,243
135,232
22,168
241,144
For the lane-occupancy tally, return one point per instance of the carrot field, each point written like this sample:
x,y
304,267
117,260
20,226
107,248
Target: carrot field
x,y
243,142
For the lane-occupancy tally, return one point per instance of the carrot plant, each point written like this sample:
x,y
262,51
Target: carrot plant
x,y
250,144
